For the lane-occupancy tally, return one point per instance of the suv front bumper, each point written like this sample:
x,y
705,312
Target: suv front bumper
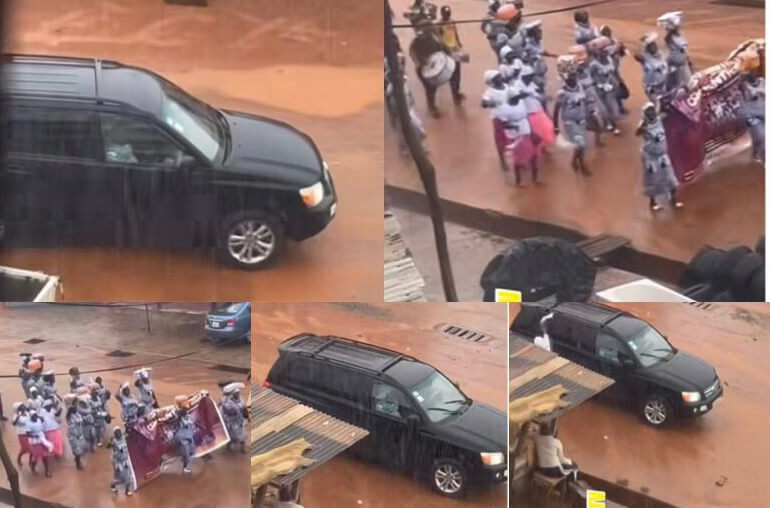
x,y
704,405
491,475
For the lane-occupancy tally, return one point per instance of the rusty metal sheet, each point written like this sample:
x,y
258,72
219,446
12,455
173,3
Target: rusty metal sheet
x,y
327,436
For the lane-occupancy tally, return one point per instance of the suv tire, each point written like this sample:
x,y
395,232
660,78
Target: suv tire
x,y
257,226
448,477
657,410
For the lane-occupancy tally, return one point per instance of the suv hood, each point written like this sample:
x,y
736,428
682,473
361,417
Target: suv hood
x,y
480,428
272,150
683,372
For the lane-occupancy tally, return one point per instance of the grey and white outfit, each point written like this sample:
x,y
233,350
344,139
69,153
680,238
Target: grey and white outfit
x,y
678,62
753,111
121,465
185,437
605,80
658,173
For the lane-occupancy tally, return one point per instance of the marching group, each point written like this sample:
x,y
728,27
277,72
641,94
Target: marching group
x,y
591,97
38,420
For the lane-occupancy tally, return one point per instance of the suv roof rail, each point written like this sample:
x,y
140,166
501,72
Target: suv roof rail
x,y
601,314
60,97
327,341
59,60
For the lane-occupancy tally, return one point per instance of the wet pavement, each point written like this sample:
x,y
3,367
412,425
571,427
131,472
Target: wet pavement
x,y
706,462
181,362
480,369
611,201
315,66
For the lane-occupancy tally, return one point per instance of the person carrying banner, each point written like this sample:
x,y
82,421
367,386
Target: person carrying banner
x,y
235,414
753,111
185,434
657,171
121,465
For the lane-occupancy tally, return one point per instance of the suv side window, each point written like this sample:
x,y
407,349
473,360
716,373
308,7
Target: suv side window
x,y
388,400
585,336
130,140
54,132
607,348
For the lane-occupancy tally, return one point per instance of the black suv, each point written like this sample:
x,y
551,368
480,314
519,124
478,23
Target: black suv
x,y
95,152
417,418
647,369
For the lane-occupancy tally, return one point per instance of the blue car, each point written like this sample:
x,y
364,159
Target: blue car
x,y
230,323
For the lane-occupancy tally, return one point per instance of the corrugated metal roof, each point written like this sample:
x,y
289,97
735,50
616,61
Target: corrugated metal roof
x,y
328,436
581,383
403,282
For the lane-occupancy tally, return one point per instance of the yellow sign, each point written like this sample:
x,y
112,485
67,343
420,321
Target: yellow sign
x,y
596,499
507,295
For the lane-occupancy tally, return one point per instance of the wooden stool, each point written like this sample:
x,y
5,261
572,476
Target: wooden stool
x,y
549,484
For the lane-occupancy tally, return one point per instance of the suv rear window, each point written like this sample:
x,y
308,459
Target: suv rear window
x,y
52,132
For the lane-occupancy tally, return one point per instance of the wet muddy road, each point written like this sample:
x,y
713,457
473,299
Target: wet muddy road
x,y
611,201
314,66
685,463
82,336
479,368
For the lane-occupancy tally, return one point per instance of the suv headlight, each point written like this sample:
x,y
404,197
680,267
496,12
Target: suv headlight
x,y
492,458
691,397
312,195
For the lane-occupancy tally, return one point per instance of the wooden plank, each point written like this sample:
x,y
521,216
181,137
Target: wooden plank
x,y
538,372
528,408
280,422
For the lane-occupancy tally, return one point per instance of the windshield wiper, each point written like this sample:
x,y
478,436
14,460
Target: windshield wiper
x,y
653,356
457,401
441,409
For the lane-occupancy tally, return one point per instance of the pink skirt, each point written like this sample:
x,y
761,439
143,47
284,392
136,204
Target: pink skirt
x,y
24,446
520,151
38,451
542,125
500,138
54,436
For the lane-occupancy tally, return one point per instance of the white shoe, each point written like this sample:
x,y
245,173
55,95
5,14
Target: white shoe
x,y
187,470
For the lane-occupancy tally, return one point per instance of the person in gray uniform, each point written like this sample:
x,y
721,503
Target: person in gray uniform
x,y
144,387
571,104
654,68
121,465
597,117
49,387
535,53
100,417
617,51
89,429
679,66
753,111
604,77
75,380
657,172
128,404
185,437
25,374
585,31
235,414
104,395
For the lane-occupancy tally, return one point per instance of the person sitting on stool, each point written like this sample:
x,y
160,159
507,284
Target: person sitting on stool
x,y
550,456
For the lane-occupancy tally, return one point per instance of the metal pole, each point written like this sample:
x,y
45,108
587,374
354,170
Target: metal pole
x,y
424,166
147,313
13,474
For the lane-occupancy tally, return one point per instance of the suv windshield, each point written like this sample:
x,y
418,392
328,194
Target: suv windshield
x,y
438,397
649,346
200,124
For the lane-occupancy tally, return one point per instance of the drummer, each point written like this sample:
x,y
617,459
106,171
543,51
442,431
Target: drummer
x,y
425,45
447,29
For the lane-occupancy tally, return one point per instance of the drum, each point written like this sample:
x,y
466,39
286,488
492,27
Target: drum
x,y
439,69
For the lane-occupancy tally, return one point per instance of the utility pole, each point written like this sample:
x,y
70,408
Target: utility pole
x,y
424,166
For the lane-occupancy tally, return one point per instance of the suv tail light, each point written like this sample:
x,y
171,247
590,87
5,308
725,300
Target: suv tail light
x,y
231,322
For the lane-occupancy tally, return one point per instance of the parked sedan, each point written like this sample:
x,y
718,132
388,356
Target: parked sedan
x,y
229,323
